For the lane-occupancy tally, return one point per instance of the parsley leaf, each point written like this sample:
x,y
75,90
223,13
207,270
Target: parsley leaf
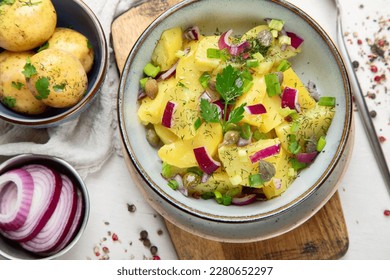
x,y
42,86
29,69
17,85
9,101
229,84
43,47
209,111
237,114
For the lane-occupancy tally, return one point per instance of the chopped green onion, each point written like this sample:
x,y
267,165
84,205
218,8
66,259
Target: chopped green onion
x,y
143,82
327,101
255,180
276,24
218,196
293,145
283,65
173,184
168,171
272,84
294,127
207,195
151,70
274,33
296,165
204,79
321,143
284,40
247,86
258,56
246,131
213,53
246,75
198,123
252,63
226,200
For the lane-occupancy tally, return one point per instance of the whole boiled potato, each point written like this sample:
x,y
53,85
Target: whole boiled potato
x,y
56,77
13,90
74,42
25,25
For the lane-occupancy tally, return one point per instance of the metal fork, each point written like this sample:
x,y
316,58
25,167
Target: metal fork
x,y
360,102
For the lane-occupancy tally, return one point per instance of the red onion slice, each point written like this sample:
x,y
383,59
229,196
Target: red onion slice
x,y
264,153
244,200
224,43
256,109
290,99
74,226
306,157
56,228
47,190
169,73
296,41
15,205
205,161
167,118
192,33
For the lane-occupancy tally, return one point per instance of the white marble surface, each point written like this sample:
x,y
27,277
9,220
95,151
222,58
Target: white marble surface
x,y
363,193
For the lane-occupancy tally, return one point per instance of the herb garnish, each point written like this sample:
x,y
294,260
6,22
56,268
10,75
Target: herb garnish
x,y
45,46
29,69
59,88
9,101
42,86
229,85
17,85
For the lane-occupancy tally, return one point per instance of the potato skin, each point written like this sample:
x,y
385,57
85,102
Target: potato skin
x,y
74,42
67,80
26,25
13,88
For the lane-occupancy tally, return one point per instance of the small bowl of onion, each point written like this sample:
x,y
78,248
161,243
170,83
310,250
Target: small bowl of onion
x,y
44,207
223,172
56,71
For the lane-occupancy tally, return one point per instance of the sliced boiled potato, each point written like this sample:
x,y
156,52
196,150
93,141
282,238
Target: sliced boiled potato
x,y
164,54
180,153
203,63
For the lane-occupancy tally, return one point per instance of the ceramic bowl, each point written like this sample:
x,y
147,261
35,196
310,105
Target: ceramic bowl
x,y
12,250
319,62
78,16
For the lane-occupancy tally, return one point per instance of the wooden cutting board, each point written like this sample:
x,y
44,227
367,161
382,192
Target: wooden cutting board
x,y
324,236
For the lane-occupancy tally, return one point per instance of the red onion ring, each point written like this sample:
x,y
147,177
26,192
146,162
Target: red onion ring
x,y
15,205
47,190
205,161
56,228
233,49
244,200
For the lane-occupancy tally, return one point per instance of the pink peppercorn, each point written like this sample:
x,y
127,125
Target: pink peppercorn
x,y
114,237
386,212
156,258
373,69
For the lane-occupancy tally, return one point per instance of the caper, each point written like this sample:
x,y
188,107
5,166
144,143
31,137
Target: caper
x,y
231,137
265,38
152,137
280,76
267,170
191,180
151,88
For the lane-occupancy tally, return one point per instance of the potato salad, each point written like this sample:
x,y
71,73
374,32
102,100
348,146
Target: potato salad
x,y
229,117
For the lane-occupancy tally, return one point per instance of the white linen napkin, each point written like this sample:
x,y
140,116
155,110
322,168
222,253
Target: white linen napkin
x,y
88,141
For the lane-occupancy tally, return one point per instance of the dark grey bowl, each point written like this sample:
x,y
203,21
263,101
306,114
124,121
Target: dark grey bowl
x,y
78,16
12,250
